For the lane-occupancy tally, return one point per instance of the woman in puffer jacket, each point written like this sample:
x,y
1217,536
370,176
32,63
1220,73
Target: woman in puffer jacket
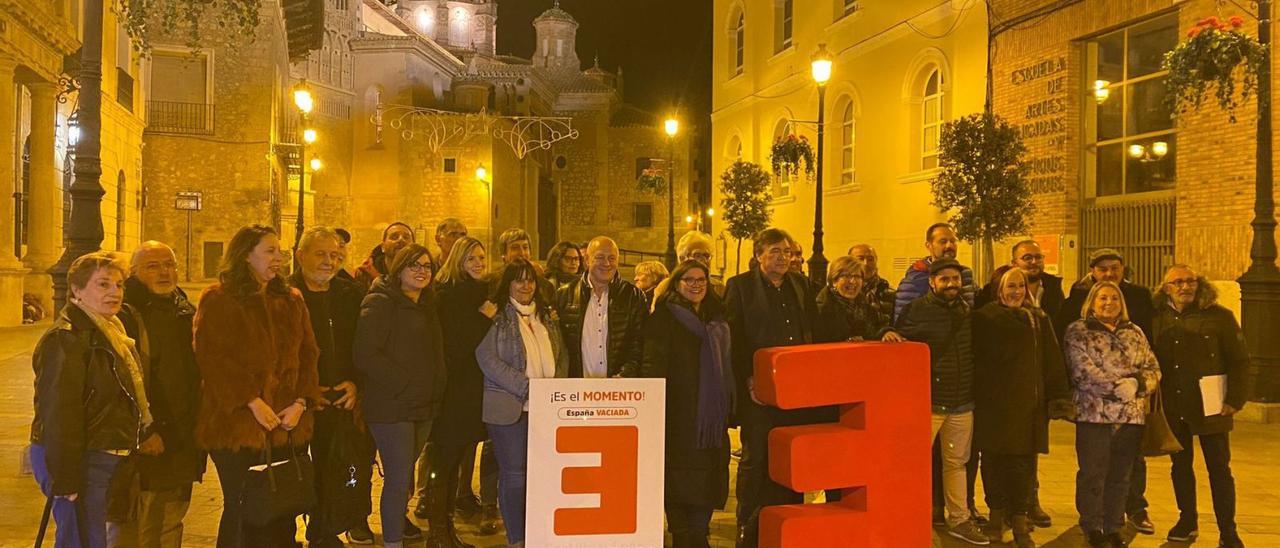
x,y
1113,370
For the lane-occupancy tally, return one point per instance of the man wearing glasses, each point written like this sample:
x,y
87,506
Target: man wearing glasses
x,y
1045,288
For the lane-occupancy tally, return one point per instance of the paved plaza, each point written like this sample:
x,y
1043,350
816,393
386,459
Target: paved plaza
x,y
1255,448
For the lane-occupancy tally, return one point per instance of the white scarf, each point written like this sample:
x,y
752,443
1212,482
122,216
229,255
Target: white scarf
x,y
540,362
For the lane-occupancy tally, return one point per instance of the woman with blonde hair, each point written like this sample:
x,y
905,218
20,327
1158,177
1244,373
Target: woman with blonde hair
x,y
649,274
844,312
1113,370
1019,384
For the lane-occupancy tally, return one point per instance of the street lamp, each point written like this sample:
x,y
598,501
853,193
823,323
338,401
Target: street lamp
x,y
305,102
821,72
671,126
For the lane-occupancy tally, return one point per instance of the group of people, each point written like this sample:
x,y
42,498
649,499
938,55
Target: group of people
x,y
424,359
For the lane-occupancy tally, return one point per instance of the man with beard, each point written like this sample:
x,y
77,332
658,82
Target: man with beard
x,y
1197,338
941,319
940,239
395,237
1044,288
875,289
1107,265
941,242
766,306
341,447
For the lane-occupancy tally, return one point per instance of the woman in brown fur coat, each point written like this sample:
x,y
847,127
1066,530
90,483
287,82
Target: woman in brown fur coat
x,y
257,356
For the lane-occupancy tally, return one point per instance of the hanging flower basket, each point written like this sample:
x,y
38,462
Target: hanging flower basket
x,y
651,181
788,152
1212,54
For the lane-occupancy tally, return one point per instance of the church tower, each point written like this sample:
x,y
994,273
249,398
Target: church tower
x,y
557,33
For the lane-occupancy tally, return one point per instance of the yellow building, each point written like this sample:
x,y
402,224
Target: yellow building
x,y
899,71
39,44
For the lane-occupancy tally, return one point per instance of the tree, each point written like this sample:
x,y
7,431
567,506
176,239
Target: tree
x,y
746,201
199,23
983,180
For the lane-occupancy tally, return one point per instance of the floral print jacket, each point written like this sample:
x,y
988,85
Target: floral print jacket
x,y
1098,359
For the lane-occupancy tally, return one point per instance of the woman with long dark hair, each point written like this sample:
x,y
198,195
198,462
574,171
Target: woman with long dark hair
x,y
461,292
399,352
564,263
257,355
523,343
687,342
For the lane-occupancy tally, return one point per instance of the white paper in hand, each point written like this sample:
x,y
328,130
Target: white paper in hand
x,y
1213,391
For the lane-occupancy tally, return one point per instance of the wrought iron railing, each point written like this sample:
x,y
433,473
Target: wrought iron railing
x,y
184,118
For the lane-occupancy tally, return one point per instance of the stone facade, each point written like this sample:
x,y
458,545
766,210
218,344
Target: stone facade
x,y
36,135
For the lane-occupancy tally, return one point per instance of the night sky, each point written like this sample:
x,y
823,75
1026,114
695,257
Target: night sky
x,y
664,47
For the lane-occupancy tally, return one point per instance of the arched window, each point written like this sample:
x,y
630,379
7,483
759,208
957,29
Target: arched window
x,y
781,183
846,145
733,151
931,117
783,16
121,206
738,41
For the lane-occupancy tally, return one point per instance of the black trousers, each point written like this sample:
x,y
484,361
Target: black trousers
x,y
1136,502
754,487
233,532
1222,486
443,478
1105,454
688,522
1006,480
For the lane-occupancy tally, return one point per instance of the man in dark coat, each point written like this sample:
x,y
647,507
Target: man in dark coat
x,y
161,325
1196,339
941,319
340,441
766,306
1107,265
602,317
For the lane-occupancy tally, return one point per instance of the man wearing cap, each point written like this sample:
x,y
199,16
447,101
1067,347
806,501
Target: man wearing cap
x,y
1107,265
941,319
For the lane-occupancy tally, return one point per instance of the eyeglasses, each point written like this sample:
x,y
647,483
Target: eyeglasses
x,y
1033,257
700,256
420,267
1188,282
695,282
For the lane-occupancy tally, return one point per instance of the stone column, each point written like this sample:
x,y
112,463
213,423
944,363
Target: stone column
x,y
11,271
42,203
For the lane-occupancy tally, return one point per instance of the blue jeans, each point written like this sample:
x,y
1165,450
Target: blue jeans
x,y
511,446
1105,453
90,504
399,444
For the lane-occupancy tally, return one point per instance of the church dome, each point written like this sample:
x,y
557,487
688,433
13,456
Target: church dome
x,y
555,14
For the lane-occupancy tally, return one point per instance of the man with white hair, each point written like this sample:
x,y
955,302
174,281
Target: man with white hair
x,y
159,318
602,317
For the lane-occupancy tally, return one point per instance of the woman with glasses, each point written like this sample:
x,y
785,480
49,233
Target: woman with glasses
x,y
399,354
686,342
843,311
564,263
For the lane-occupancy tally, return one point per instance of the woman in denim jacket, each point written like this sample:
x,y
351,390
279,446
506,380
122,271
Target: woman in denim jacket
x,y
524,343
1113,370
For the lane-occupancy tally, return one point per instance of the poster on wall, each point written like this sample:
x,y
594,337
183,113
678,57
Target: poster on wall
x,y
596,456
1052,253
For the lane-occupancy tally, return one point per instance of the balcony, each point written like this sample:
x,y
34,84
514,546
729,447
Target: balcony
x,y
180,118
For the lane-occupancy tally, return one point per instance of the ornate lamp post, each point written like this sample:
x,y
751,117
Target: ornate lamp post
x,y
671,126
303,99
821,72
1260,284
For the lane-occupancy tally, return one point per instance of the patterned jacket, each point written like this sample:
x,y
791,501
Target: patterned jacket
x,y
1098,360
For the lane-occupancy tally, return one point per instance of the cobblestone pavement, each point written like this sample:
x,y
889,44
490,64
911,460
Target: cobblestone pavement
x,y
1254,450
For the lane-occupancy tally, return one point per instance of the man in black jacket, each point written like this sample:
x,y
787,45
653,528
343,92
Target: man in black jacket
x,y
161,325
339,443
766,306
602,317
941,319
1199,341
1107,265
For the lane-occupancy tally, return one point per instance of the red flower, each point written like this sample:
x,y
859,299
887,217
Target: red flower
x,y
1236,21
1195,31
1213,20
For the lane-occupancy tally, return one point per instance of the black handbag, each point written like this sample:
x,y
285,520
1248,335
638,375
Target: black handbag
x,y
279,491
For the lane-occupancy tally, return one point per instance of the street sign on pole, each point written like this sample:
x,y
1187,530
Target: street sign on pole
x,y
190,202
